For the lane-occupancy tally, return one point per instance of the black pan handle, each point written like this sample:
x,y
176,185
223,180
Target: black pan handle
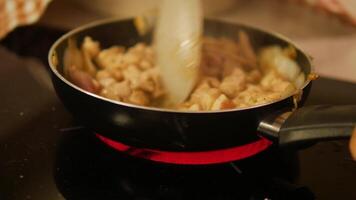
x,y
310,123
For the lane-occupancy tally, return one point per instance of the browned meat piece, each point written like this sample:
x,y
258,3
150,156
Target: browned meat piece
x,y
247,49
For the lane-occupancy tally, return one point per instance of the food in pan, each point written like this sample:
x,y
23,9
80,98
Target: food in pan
x,y
232,74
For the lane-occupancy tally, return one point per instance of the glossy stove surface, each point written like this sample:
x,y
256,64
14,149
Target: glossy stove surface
x,y
45,154
99,172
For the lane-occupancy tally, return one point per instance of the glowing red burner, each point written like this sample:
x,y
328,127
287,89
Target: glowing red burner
x,y
191,158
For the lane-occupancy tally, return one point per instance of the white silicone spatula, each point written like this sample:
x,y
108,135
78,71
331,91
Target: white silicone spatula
x,y
178,46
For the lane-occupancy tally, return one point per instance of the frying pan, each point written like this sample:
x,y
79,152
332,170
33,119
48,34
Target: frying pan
x,y
185,131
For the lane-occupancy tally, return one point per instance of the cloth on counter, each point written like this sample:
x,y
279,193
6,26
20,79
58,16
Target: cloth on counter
x,y
15,13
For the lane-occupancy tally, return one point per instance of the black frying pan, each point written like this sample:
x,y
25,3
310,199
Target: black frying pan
x,y
172,130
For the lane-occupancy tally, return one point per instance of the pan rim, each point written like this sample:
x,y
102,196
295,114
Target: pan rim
x,y
93,24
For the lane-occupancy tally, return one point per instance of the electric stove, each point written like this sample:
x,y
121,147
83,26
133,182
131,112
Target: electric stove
x,y
46,154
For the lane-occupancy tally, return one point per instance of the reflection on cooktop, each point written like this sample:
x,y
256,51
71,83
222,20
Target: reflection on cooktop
x,y
87,169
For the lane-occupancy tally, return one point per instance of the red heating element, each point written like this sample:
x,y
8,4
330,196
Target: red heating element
x,y
191,158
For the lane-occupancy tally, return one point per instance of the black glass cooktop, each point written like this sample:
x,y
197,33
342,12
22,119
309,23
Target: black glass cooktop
x,y
45,154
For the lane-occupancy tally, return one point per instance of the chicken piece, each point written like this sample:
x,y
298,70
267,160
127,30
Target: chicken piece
x,y
110,73
233,84
106,82
147,83
272,96
256,95
269,79
139,48
205,96
91,47
103,74
211,81
118,91
111,58
131,58
285,88
252,88
208,99
133,77
281,86
108,93
253,95
272,82
132,74
150,81
117,74
123,89
139,97
222,103
105,78
145,65
149,52
194,107
184,106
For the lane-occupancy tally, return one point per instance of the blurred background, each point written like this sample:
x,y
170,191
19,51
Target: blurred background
x,y
330,41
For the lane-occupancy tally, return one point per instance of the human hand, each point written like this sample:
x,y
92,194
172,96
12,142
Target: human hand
x,y
344,9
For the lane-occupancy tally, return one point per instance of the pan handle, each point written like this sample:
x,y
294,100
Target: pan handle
x,y
310,123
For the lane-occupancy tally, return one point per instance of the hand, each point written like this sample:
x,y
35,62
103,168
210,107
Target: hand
x,y
344,9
